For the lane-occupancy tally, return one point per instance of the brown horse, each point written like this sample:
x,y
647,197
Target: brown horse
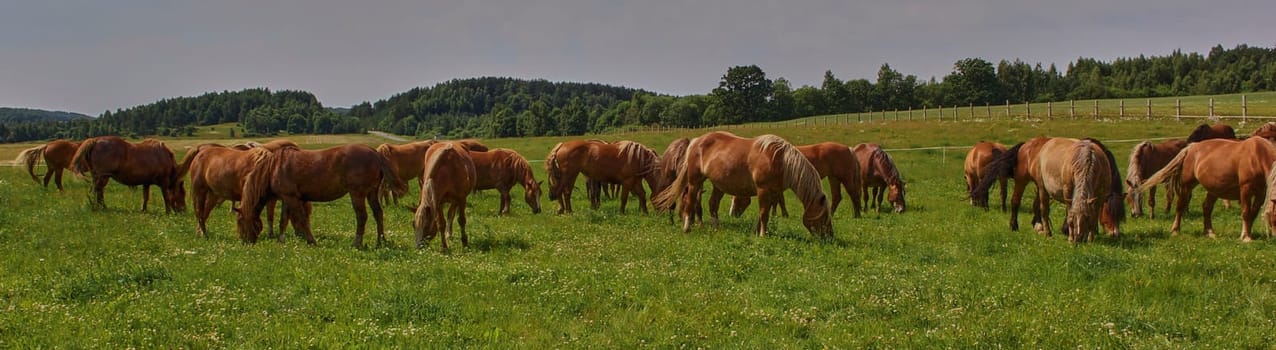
x,y
879,173
1216,131
670,164
296,176
448,178
1020,163
501,169
1146,159
832,160
1083,175
978,158
763,166
625,162
218,174
57,156
1267,131
146,163
408,160
1228,169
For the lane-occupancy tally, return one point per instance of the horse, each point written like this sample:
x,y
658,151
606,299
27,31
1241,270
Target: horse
x,y
449,177
1146,159
879,173
1216,131
1018,162
669,164
501,169
1083,175
57,156
218,173
408,160
763,166
296,176
1228,169
832,160
1267,131
146,163
978,158
627,163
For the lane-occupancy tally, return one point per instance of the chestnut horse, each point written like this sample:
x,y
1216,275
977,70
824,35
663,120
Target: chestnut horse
x,y
448,179
669,165
408,160
1267,131
978,158
625,162
832,160
218,174
1083,175
296,176
763,166
57,156
1021,162
501,169
1228,169
1146,159
146,163
879,173
1216,131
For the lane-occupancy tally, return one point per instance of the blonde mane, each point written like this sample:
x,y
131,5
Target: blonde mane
x,y
799,175
432,163
1135,168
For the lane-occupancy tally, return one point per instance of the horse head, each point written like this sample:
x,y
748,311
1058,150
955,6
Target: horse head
x,y
175,195
816,217
247,224
532,194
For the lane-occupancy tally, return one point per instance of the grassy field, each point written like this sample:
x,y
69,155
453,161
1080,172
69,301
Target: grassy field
x,y
942,274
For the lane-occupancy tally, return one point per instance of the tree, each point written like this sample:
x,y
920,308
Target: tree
x,y
744,93
808,101
782,102
973,81
836,98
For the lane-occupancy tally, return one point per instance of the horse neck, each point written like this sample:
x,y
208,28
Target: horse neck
x,y
886,168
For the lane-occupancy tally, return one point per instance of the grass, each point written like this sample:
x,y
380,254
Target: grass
x,y
942,274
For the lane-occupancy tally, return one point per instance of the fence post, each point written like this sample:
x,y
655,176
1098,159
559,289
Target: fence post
x,y
1244,110
910,113
1072,109
972,111
1007,109
1122,113
941,112
1149,108
1049,110
1178,109
1096,109
989,107
1211,108
897,114
955,108
1027,108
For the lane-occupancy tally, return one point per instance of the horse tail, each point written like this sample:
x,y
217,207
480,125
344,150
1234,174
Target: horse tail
x,y
29,157
665,200
1115,202
80,162
855,185
1171,173
391,184
553,171
1083,192
257,184
1001,165
799,175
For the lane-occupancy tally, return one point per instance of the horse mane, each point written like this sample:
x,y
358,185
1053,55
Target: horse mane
x,y
1001,165
552,169
472,145
432,163
80,162
1082,191
1199,134
518,165
799,175
672,159
1116,197
30,157
885,164
1135,169
665,200
637,152
257,182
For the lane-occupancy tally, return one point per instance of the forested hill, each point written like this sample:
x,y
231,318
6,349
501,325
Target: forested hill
x,y
492,106
27,115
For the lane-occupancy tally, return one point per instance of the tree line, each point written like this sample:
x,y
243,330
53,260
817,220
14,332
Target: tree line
x,y
508,107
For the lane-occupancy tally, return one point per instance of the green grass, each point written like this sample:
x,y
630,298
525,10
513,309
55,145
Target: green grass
x,y
942,274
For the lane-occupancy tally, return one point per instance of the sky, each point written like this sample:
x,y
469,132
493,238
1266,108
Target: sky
x,y
91,56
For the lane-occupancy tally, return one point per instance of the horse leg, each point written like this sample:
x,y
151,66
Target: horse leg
x,y
457,212
299,213
624,199
1250,206
738,205
784,209
1207,210
441,227
360,218
505,201
1169,198
204,204
1043,208
1151,203
48,174
715,200
379,216
146,196
853,194
270,221
765,201
99,187
642,196
835,190
1016,201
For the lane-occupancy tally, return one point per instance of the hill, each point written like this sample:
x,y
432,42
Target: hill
x,y
9,115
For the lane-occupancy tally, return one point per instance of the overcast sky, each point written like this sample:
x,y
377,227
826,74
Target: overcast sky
x,y
91,56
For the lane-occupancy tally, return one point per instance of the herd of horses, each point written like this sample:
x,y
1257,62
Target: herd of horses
x,y
1081,173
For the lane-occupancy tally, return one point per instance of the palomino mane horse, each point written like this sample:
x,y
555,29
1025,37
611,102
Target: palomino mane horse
x,y
1267,131
1146,159
146,163
57,156
879,174
763,166
1227,169
408,160
1216,131
296,176
501,169
832,160
978,158
218,173
1083,175
448,179
626,163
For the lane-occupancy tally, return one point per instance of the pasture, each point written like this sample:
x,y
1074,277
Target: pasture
x,y
941,274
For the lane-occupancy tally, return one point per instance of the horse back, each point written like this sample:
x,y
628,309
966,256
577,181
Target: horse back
x,y
58,153
724,159
452,170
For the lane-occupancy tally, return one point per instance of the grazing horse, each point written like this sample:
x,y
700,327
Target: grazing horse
x,y
1146,159
57,156
448,179
1216,131
669,165
1267,131
832,160
408,160
1083,175
1018,162
146,163
978,158
626,163
501,169
218,174
763,166
879,173
1228,169
296,176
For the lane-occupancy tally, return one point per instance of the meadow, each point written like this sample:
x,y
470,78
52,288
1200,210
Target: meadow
x,y
941,274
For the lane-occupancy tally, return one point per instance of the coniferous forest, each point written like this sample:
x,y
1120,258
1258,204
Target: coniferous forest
x,y
508,107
